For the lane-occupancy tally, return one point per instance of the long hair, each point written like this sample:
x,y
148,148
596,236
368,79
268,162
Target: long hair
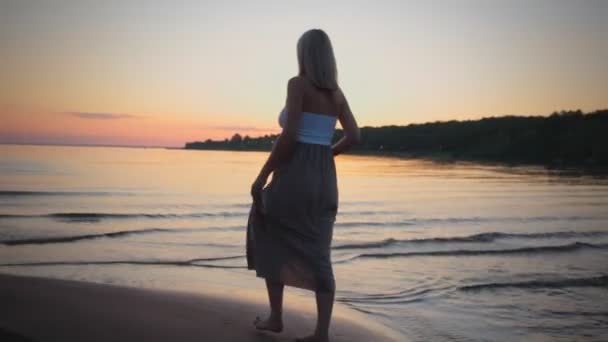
x,y
316,59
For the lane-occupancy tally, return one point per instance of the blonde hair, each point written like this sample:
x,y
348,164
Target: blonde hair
x,y
316,59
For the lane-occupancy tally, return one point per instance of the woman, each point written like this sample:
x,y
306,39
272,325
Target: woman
x,y
291,220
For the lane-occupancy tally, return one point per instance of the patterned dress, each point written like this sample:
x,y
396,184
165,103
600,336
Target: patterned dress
x,y
291,242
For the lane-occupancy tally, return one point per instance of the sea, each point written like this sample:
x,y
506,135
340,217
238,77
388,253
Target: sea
x,y
438,251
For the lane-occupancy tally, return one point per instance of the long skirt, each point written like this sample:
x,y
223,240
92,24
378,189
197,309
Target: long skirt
x,y
290,241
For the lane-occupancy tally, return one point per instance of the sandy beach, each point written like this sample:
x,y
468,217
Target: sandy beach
x,y
41,309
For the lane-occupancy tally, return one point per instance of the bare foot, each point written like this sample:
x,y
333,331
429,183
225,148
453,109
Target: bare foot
x,y
269,324
312,338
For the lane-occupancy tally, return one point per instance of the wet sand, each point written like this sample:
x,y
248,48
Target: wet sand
x,y
41,309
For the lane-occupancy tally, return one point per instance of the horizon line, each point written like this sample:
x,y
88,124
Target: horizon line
x,y
88,145
367,126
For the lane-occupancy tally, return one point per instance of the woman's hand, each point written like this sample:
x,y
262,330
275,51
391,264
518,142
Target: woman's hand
x,y
256,193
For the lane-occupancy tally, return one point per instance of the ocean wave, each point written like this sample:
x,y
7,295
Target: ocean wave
x,y
72,238
198,262
368,212
118,234
473,252
401,297
601,281
95,217
100,216
84,216
476,238
351,224
12,193
461,220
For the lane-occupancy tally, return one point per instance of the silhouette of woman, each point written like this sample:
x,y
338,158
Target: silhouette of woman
x,y
290,224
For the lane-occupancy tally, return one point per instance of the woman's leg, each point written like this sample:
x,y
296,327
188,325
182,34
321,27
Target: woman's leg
x,y
325,304
275,297
274,322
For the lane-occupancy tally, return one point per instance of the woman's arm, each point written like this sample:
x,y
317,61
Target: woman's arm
x,y
352,136
284,144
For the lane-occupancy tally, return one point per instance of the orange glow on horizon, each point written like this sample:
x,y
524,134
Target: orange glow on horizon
x,y
163,75
140,130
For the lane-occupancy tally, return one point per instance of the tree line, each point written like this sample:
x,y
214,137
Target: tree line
x,y
563,138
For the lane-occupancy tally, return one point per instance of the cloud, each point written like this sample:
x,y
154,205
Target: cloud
x,y
104,116
237,128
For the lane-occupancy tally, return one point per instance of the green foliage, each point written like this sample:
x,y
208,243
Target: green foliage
x,y
236,143
566,137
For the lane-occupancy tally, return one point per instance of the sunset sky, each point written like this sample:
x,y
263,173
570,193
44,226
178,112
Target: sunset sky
x,y
160,73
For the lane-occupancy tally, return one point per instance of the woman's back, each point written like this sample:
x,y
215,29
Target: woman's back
x,y
320,111
332,103
321,101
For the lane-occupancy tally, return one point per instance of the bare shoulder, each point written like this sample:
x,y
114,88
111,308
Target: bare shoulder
x,y
296,82
340,97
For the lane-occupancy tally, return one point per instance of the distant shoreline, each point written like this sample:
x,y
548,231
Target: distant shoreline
x,y
564,140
